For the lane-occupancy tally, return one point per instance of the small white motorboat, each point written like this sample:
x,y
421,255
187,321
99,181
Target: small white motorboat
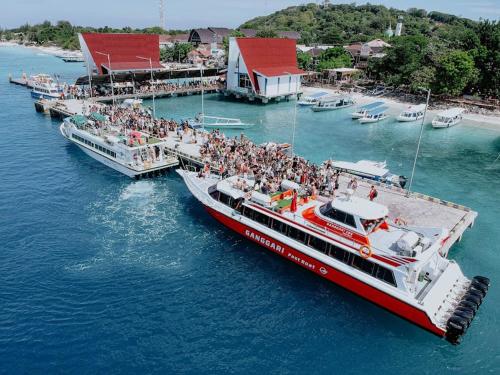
x,y
413,113
204,121
448,118
363,110
311,99
332,103
375,115
372,170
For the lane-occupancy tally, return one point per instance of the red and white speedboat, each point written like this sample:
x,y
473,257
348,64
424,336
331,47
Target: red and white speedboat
x,y
350,242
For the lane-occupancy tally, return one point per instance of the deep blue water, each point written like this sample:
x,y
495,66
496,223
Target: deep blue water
x,y
102,274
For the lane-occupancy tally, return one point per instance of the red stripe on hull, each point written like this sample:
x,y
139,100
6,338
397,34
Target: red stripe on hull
x,y
356,286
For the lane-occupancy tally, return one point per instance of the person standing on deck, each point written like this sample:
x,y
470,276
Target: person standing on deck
x,y
293,206
373,193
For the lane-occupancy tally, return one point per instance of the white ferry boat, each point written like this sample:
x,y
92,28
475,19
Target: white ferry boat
x,y
332,103
375,115
203,121
372,170
350,242
448,118
46,90
363,110
133,153
413,113
312,99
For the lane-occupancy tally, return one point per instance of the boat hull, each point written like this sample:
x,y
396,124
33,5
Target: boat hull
x,y
407,119
376,296
323,109
441,125
370,120
38,95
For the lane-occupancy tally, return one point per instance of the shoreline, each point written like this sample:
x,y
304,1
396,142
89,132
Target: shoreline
x,y
475,120
49,50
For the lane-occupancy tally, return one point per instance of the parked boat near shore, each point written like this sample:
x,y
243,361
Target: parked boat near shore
x,y
311,99
332,103
413,113
374,115
363,110
448,118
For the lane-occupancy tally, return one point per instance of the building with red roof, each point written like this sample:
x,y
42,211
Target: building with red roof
x,y
263,68
124,51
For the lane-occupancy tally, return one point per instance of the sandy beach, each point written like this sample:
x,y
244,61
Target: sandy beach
x,y
49,50
490,122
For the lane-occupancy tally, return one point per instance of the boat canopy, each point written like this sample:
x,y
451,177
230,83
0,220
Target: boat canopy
x,y
452,112
378,111
97,117
360,207
370,106
78,120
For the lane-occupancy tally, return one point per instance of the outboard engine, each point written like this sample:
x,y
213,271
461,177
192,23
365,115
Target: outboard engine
x,y
466,309
402,181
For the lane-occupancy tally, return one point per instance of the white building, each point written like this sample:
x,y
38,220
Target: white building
x,y
263,68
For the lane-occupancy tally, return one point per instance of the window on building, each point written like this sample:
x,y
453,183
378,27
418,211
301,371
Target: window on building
x,y
244,81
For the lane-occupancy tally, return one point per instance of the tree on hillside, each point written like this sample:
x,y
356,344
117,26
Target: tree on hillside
x,y
304,60
336,57
455,71
266,33
406,56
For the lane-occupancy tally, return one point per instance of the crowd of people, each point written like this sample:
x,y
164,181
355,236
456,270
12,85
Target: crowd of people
x,y
268,165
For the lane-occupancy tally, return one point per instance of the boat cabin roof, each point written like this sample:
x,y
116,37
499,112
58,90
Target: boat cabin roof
x,y
378,111
360,207
370,106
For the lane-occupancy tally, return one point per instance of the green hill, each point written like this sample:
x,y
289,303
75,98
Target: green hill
x,y
450,54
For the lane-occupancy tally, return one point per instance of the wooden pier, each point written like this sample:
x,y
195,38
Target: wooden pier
x,y
61,108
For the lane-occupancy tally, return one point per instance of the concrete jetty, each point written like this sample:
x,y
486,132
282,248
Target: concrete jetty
x,y
414,208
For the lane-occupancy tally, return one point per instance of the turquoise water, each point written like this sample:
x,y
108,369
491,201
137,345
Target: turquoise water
x,y
99,272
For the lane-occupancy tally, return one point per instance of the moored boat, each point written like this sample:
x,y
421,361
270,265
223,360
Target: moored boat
x,y
204,121
133,153
333,102
374,115
372,170
311,99
448,118
350,242
46,90
363,110
413,113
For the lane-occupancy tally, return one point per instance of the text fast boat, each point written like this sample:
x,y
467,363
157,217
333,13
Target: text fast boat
x,y
133,153
350,242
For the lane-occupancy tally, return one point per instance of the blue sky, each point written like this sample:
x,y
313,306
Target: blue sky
x,y
185,14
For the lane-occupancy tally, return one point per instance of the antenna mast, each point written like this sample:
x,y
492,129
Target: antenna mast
x,y
162,14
